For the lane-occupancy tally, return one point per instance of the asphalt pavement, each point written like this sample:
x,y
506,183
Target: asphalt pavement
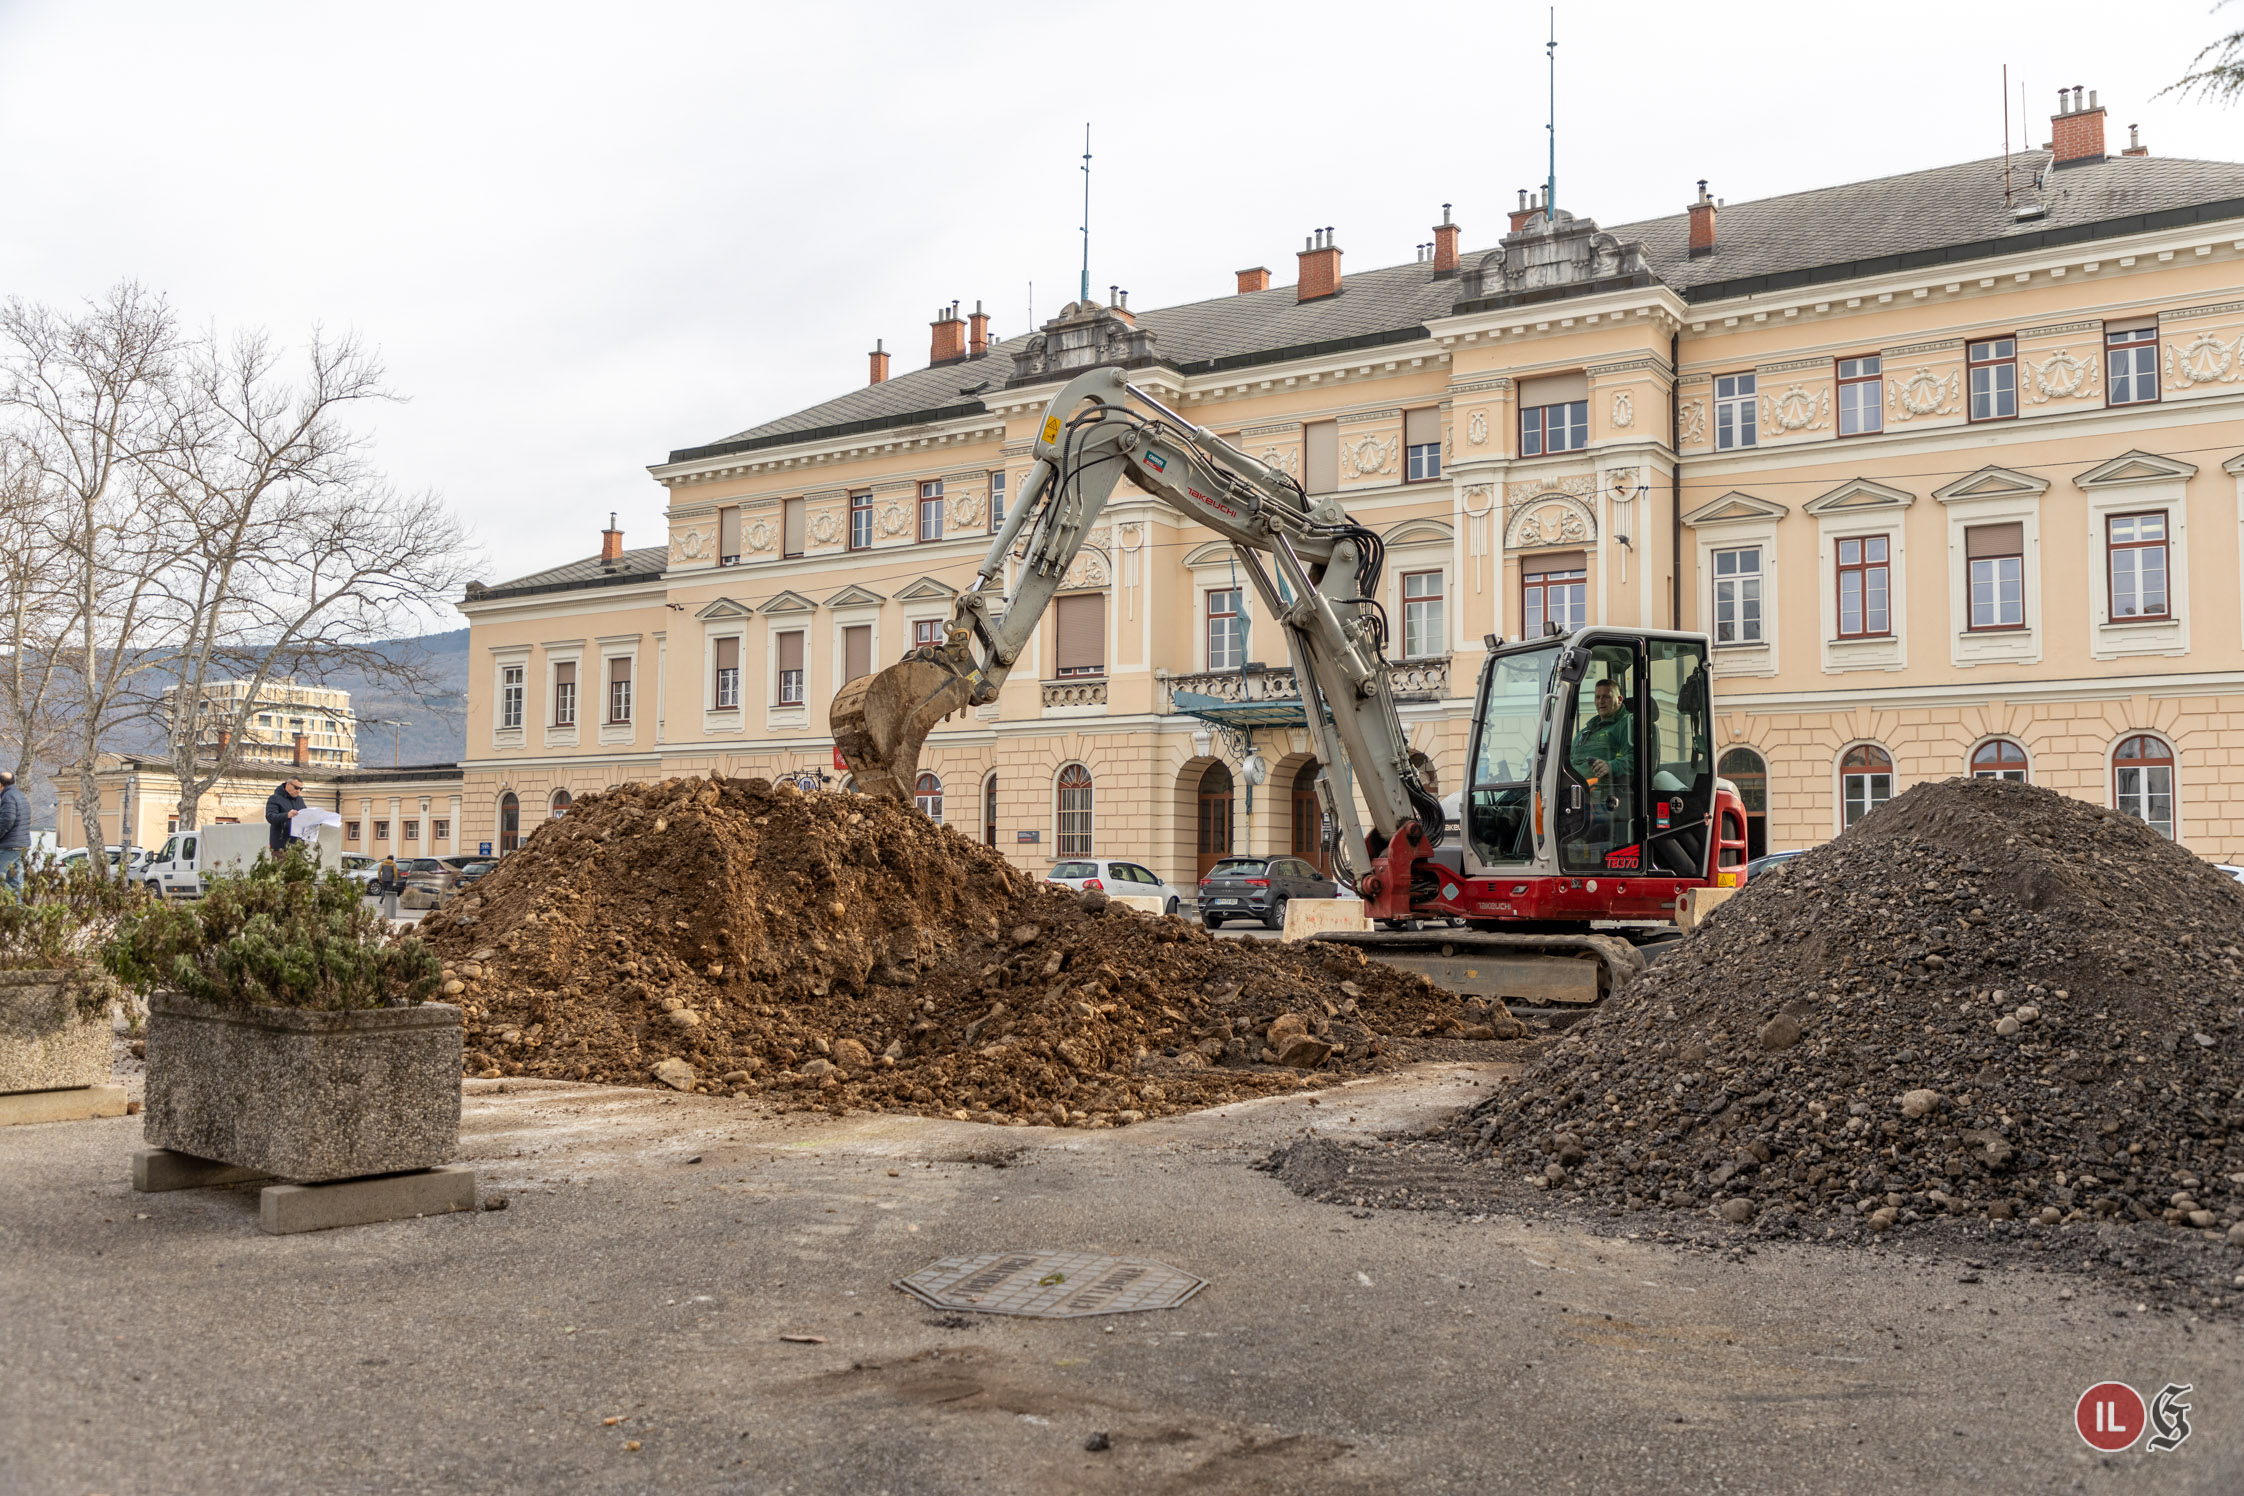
x,y
618,1327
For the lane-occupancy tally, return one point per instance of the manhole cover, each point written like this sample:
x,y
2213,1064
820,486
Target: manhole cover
x,y
1051,1285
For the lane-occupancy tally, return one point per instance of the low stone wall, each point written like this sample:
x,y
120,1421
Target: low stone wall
x,y
1307,917
46,1044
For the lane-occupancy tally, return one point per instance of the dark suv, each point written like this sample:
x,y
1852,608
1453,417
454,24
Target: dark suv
x,y
1258,888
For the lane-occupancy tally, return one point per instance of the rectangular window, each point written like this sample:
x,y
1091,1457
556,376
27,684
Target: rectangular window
x,y
1079,644
728,536
1421,445
510,696
1554,428
997,502
2131,366
1226,636
931,510
861,520
1994,379
857,651
381,831
1997,557
1736,423
1737,595
792,524
1320,455
565,694
440,830
728,673
412,831
1422,630
1554,594
789,648
1862,396
619,690
350,829
927,631
1862,587
2138,565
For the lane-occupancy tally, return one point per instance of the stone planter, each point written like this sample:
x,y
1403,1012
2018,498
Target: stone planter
x,y
46,1044
305,1095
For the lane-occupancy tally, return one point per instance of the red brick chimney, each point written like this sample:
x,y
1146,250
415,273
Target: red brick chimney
x,y
1320,268
1445,245
1254,278
611,540
879,356
2076,133
303,754
949,344
977,332
1527,210
1702,223
2135,146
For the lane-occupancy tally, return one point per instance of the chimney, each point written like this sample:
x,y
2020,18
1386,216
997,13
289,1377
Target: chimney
x,y
977,332
1255,278
2135,146
949,343
2076,133
1525,213
1702,223
1320,268
303,754
1445,245
611,542
879,356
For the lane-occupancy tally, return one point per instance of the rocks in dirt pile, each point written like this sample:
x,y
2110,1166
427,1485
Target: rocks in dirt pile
x,y
1986,999
835,951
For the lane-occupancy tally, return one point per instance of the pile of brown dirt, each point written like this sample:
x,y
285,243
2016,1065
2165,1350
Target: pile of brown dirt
x,y
1987,1000
733,936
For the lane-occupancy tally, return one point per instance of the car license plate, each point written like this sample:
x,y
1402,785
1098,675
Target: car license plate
x,y
1223,901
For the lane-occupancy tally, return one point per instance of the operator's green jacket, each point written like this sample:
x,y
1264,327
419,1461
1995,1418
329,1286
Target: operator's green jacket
x,y
1610,738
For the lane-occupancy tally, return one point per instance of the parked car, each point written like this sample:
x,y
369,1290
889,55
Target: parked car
x,y
1116,876
429,881
475,870
360,869
1766,862
1259,888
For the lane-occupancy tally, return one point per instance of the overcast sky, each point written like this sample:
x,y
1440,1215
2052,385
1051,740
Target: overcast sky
x,y
584,235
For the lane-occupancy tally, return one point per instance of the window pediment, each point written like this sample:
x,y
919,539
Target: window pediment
x,y
724,607
1734,506
925,590
790,602
2134,467
1860,493
1993,483
1421,532
854,596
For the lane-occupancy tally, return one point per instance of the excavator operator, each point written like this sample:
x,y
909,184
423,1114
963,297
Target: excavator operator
x,y
1604,754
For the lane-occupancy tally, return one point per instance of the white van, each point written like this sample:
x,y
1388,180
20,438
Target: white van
x,y
188,857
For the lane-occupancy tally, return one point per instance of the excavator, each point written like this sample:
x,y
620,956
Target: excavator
x,y
1591,804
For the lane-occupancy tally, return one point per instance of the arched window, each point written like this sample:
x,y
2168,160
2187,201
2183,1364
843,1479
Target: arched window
x,y
1865,781
1750,773
1074,804
1309,820
560,804
2143,781
510,823
1998,758
927,794
989,811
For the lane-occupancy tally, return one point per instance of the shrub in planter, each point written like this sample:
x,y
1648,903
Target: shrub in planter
x,y
288,1030
55,996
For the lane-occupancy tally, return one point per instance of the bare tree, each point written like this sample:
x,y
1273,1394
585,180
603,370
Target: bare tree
x,y
37,612
300,560
88,391
2222,79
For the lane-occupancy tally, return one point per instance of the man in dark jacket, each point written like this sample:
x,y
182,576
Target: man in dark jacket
x,y
282,804
15,830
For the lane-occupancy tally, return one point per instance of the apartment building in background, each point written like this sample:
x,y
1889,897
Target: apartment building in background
x,y
1948,464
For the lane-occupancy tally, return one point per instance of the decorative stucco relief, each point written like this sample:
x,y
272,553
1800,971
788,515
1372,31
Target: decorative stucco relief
x,y
892,520
2206,360
1554,520
759,535
1924,393
1282,459
1088,569
1624,410
1694,422
2062,377
1476,429
694,544
1797,409
825,527
1370,456
966,510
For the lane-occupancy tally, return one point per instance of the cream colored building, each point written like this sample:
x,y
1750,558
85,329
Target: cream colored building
x,y
1949,464
292,724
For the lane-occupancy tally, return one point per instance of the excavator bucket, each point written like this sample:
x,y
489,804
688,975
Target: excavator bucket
x,y
880,720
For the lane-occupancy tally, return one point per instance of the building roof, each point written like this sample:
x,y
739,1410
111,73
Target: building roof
x,y
1917,218
641,565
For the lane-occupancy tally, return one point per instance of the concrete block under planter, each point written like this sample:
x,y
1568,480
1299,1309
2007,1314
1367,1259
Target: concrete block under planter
x,y
46,1043
305,1095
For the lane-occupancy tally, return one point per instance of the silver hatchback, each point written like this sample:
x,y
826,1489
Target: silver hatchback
x,y
1116,876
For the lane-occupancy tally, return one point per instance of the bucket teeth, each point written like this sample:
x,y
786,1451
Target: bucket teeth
x,y
880,720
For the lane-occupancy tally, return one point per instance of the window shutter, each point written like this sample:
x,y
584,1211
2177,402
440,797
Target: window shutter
x,y
565,674
1996,540
1422,427
1082,632
1543,565
619,669
728,532
793,509
728,653
1320,462
791,651
857,651
1553,389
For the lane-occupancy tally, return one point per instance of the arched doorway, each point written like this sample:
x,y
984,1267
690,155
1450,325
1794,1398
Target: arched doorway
x,y
989,811
510,823
1750,773
1309,820
1215,816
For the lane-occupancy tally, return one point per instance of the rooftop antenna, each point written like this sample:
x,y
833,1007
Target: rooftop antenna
x,y
1550,183
2006,134
1032,306
1083,294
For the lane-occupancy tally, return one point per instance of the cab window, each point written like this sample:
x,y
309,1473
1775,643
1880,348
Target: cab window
x,y
1504,749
